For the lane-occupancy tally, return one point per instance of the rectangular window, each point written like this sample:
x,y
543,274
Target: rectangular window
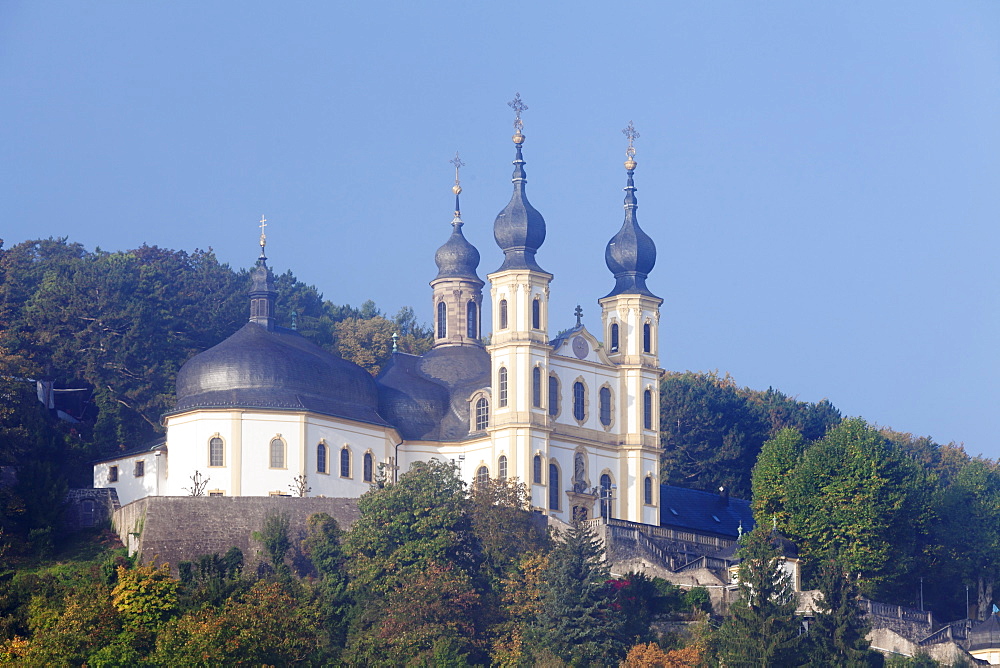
x,y
536,387
553,396
140,468
502,374
113,474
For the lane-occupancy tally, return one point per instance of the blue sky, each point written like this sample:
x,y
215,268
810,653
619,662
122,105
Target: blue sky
x,y
821,179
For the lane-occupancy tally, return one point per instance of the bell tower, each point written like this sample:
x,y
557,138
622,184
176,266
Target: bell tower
x,y
630,315
457,288
519,349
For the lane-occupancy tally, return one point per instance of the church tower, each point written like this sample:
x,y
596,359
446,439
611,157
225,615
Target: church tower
x,y
630,315
520,348
262,294
458,290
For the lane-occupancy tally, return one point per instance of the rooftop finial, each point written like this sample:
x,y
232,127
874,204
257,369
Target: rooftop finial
x,y
263,237
457,189
578,312
518,106
632,135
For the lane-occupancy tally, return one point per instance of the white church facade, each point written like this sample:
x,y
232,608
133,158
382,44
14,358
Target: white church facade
x,y
575,417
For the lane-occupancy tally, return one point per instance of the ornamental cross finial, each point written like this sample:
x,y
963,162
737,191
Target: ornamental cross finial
x,y
518,107
263,237
458,165
579,315
632,135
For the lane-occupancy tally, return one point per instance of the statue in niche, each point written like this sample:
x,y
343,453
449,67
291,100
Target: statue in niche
x,y
579,474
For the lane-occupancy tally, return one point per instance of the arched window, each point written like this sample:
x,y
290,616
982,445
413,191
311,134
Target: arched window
x,y
321,458
536,314
502,389
471,320
502,467
345,462
482,476
579,401
605,397
369,467
482,414
647,409
502,310
553,487
536,470
614,337
647,490
536,387
647,338
553,396
442,320
277,453
606,497
216,454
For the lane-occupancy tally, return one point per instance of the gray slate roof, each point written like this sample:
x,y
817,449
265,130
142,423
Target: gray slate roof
x,y
703,512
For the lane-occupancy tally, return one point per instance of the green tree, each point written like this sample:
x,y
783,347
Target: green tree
x,y
324,549
761,629
778,458
578,621
504,524
710,433
857,497
837,636
273,535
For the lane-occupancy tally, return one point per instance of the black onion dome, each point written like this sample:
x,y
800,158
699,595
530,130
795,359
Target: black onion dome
x,y
457,258
519,229
276,368
631,254
426,398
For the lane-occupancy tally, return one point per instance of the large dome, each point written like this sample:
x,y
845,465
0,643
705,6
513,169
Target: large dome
x,y
457,258
277,368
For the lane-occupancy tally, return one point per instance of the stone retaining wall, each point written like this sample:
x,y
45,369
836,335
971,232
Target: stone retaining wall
x,y
171,529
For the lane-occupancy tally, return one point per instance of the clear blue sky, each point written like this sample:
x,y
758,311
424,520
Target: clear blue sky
x,y
821,179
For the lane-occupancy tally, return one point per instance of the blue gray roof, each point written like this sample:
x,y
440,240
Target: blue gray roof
x,y
259,367
427,398
631,253
986,635
457,258
704,512
519,229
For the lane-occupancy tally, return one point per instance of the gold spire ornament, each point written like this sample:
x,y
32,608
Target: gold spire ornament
x,y
263,237
632,134
457,188
518,107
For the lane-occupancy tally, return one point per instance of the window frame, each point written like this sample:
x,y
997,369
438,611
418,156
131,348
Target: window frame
x,y
647,409
554,495
647,490
536,387
605,405
139,470
113,473
323,458
442,320
647,337
368,467
482,475
280,443
481,415
346,463
502,387
579,401
614,338
537,467
211,452
536,313
471,319
502,468
555,392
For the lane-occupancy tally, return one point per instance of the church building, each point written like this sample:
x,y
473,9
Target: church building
x,y
574,416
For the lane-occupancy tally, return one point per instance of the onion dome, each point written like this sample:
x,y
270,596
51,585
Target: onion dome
x,y
519,229
985,635
631,254
457,258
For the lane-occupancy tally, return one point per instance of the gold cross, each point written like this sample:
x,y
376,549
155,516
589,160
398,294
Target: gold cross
x,y
263,237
